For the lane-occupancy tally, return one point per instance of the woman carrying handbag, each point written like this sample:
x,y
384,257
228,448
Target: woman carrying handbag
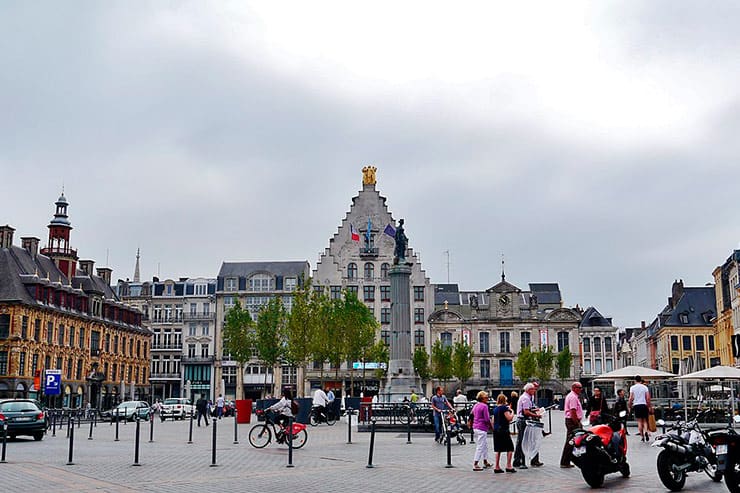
x,y
502,416
481,424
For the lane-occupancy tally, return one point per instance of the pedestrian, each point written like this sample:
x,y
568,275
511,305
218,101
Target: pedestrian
x,y
220,406
639,404
481,424
525,409
201,409
440,404
284,408
460,399
514,400
619,406
596,406
502,416
573,417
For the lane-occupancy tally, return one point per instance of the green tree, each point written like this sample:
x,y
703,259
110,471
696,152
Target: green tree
x,y
441,361
302,326
525,364
545,358
358,331
238,339
320,346
563,361
269,339
380,353
462,362
421,362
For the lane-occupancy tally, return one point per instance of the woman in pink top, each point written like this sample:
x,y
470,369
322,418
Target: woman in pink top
x,y
481,425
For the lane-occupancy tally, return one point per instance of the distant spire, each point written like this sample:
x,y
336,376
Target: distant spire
x,y
137,276
503,272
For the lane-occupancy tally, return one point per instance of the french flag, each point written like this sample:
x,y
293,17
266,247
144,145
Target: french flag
x,y
354,233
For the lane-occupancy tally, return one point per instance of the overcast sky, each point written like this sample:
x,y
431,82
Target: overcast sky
x,y
594,144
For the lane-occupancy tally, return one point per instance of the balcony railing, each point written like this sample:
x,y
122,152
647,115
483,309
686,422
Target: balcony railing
x,y
199,316
167,347
165,320
164,376
369,252
197,359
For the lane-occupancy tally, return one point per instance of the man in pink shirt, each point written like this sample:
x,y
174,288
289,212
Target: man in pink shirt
x,y
573,417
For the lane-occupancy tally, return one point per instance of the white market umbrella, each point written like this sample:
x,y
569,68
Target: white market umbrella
x,y
629,372
718,373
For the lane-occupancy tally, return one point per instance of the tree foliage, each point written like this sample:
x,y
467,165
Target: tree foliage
x,y
238,333
441,361
545,358
269,339
421,362
462,362
525,365
302,326
563,361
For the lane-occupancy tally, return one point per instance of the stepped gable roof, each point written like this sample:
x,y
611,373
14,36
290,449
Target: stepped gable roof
x,y
547,293
244,269
592,318
696,307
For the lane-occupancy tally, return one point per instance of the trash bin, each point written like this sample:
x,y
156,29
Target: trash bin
x,y
244,411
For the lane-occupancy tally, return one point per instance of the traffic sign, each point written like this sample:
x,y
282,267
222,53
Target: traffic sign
x,y
52,382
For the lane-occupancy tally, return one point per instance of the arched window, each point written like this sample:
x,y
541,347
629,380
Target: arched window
x,y
446,338
384,270
369,270
352,270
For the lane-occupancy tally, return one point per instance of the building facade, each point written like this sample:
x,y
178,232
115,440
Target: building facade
x,y
728,308
58,313
598,341
499,322
358,259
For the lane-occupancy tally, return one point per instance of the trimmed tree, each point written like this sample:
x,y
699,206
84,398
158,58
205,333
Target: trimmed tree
x,y
238,339
462,362
545,358
563,361
269,339
525,364
441,361
421,363
302,326
359,325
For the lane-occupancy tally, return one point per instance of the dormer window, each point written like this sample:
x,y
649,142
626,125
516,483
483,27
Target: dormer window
x,y
260,282
683,318
230,284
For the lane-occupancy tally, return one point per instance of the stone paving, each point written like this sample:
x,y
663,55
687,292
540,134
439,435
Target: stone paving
x,y
326,464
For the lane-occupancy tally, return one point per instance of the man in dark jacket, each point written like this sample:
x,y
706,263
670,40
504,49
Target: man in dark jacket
x,y
619,406
201,408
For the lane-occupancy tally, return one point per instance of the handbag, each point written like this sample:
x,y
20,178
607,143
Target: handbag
x,y
652,427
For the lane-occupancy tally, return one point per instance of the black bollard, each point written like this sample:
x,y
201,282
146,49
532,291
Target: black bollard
x,y
236,430
190,437
79,420
89,437
372,445
71,431
349,425
408,429
151,428
95,419
136,445
70,423
117,420
214,422
289,436
448,439
54,424
5,441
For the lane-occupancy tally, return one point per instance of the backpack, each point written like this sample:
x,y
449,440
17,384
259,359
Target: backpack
x,y
294,407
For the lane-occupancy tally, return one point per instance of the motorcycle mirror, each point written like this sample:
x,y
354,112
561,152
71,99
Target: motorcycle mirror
x,y
622,414
660,422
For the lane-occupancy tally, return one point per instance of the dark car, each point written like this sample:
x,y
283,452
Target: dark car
x,y
22,417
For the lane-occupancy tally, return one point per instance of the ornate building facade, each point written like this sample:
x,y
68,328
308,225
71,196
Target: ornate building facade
x,y
58,315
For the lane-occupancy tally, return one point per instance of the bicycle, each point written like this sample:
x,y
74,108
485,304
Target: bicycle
x,y
317,416
261,434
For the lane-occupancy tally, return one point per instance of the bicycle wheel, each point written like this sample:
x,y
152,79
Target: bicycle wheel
x,y
300,439
260,436
313,419
330,418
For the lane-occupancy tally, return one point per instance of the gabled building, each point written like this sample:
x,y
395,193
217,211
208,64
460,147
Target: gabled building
x,y
59,313
727,322
598,340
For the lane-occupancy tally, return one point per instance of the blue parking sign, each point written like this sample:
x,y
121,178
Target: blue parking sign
x,y
52,382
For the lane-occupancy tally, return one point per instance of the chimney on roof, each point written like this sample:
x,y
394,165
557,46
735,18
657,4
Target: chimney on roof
x,y
87,267
30,243
6,236
642,325
105,273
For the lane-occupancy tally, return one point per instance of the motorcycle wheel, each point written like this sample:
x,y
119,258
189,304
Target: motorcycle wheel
x,y
625,470
313,419
671,479
330,419
713,473
595,479
732,474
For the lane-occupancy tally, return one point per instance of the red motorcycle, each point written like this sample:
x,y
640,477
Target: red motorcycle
x,y
601,450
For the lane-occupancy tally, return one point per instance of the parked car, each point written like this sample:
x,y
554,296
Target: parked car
x,y
128,410
23,417
176,408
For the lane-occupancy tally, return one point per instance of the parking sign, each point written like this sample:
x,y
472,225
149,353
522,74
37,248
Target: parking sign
x,y
52,382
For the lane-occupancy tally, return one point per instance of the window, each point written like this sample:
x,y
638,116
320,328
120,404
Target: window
x,y
369,270
368,293
335,292
352,289
699,343
419,337
204,350
505,342
79,369
4,327
94,342
69,369
290,375
609,365
587,366
22,364
230,285
385,315
714,362
418,315
384,270
683,318
485,368
290,283
710,341
598,366
385,293
24,327
526,339
205,330
82,338
200,289
687,343
674,343
418,293
3,362
676,364
483,342
385,336
71,337
34,363
37,330
586,345
563,341
607,344
191,350
115,344
193,309
60,337
352,270
446,338
49,331
191,330
597,344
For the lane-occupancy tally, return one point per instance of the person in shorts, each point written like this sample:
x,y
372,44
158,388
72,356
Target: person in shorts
x,y
639,404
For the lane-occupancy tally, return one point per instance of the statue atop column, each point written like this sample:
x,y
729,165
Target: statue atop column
x,y
402,242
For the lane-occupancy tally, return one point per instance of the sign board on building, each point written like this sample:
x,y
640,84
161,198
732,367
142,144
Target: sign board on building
x,y
466,336
52,382
357,365
543,338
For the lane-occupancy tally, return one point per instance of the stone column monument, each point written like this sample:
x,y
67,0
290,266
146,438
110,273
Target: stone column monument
x,y
401,376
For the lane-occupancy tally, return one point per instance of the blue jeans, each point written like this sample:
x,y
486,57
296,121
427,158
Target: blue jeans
x,y
437,426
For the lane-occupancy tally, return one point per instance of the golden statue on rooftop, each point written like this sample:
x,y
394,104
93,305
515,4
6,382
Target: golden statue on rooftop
x,y
368,175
